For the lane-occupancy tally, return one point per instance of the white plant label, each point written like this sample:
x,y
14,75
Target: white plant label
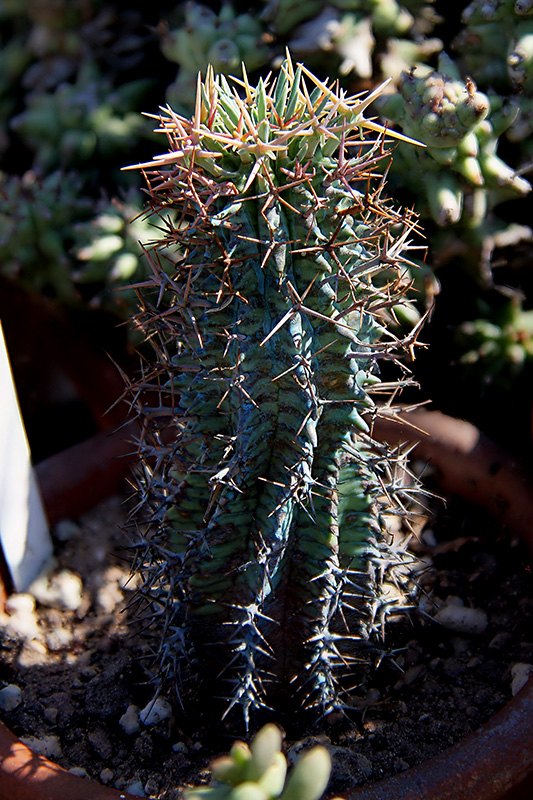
x,y
24,533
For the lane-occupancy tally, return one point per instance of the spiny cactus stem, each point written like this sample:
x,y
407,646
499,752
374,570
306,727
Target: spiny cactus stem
x,y
267,335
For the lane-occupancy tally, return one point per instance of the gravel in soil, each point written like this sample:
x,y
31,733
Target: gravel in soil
x,y
74,688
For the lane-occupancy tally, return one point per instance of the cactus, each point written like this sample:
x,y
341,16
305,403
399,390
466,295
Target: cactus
x,y
258,772
268,554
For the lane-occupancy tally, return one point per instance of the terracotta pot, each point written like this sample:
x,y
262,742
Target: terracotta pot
x,y
24,775
80,477
493,763
468,464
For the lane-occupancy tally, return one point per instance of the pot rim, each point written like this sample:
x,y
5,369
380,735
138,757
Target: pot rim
x,y
26,775
495,758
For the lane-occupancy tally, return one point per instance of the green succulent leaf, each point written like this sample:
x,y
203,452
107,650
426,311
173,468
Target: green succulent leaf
x,y
309,777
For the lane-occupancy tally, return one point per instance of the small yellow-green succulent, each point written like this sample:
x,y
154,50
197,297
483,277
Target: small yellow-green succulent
x,y
259,772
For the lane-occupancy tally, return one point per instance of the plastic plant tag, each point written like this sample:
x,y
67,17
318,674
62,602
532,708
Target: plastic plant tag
x,y
24,533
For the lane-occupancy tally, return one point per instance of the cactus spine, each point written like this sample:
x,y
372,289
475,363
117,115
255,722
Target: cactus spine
x,y
268,554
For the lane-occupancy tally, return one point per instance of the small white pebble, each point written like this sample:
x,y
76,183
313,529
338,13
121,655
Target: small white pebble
x,y
20,620
453,600
80,772
461,619
106,775
129,721
428,537
37,646
108,598
519,676
156,711
136,789
63,590
58,638
151,787
66,529
22,603
10,697
43,745
180,747
32,654
50,714
69,588
197,746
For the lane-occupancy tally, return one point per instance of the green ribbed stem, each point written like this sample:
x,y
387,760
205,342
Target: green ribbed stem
x,y
266,520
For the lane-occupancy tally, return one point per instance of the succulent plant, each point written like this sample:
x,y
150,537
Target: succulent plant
x,y
490,40
350,36
258,772
223,40
13,61
458,179
37,216
85,122
356,33
50,37
455,121
286,15
344,38
55,239
496,45
109,254
499,343
267,555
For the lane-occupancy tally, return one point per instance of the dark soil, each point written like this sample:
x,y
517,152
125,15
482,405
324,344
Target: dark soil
x,y
80,669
